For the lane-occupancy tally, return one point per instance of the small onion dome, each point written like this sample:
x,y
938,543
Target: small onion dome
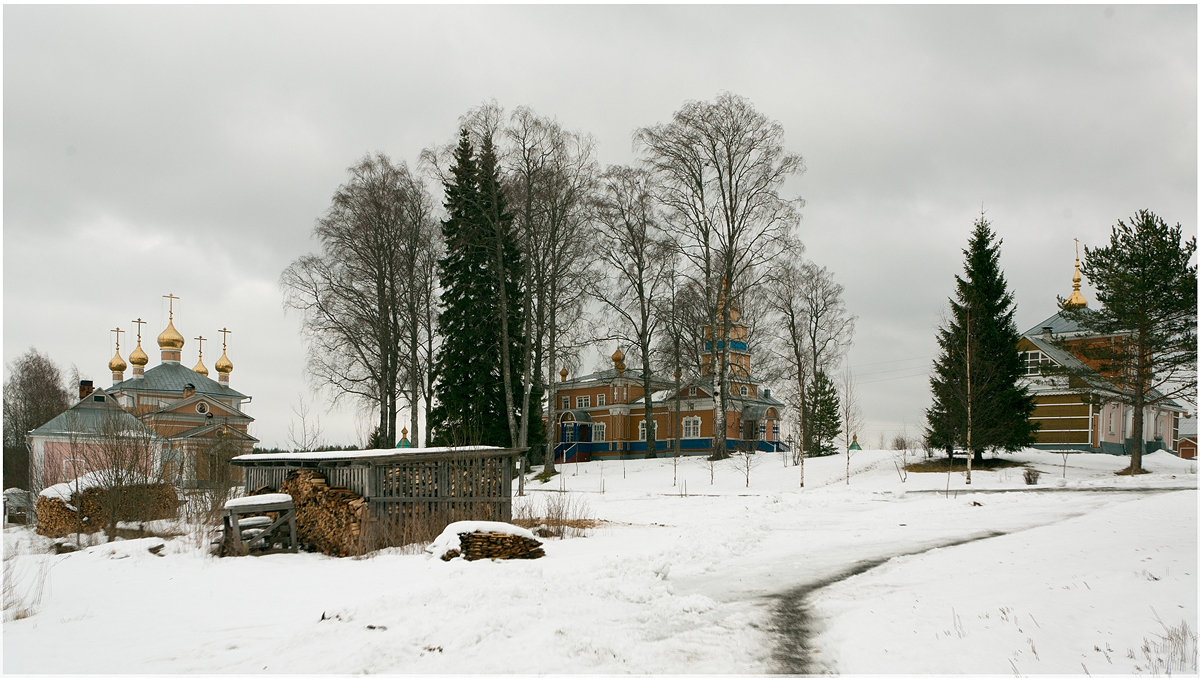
x,y
117,364
224,364
170,339
563,373
617,356
139,357
200,369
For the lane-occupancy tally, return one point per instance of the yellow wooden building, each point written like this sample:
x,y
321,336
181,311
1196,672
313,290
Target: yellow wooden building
x,y
1071,416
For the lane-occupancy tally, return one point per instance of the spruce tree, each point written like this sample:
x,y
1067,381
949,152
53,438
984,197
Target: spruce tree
x,y
504,272
978,402
823,421
474,403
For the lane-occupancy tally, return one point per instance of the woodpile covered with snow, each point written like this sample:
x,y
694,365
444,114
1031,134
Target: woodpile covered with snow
x,y
477,539
330,520
84,505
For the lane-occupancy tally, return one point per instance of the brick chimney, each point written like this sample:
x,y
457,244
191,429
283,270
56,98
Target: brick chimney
x,y
85,388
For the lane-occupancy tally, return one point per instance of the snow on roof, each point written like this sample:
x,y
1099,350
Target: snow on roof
x,y
358,454
258,500
657,396
448,539
87,481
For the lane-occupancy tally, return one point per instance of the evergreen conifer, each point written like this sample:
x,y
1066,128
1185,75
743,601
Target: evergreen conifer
x,y
471,402
823,420
989,408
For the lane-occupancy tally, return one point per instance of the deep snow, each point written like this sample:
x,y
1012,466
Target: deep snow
x,y
681,577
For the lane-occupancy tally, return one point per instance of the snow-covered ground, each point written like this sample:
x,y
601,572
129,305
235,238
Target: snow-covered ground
x,y
698,575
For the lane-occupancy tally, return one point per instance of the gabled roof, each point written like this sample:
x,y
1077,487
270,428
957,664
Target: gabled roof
x,y
1057,324
1058,355
176,404
89,416
209,428
607,377
1068,360
171,378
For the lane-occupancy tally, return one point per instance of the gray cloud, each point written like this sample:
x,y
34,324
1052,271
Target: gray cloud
x,y
155,149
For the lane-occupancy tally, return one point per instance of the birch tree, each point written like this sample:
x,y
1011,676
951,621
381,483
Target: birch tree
x,y
719,169
634,249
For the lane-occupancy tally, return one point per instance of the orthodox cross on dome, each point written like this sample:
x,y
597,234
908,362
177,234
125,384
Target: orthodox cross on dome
x,y
118,330
139,322
171,298
200,368
225,335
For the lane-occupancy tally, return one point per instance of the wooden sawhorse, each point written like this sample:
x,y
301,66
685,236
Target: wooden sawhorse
x,y
259,531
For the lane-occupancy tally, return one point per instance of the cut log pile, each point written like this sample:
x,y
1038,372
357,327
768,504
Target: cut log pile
x,y
88,510
479,545
328,519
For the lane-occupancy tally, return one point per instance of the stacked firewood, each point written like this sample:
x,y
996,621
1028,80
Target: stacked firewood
x,y
88,510
479,545
328,519
56,518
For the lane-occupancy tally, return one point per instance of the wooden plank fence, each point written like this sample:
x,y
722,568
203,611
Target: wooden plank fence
x,y
412,495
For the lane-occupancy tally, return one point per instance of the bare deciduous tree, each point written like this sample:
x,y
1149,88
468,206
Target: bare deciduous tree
x,y
851,414
351,293
814,327
719,167
33,395
637,252
304,431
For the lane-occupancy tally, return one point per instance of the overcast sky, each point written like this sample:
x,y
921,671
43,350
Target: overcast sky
x,y
189,150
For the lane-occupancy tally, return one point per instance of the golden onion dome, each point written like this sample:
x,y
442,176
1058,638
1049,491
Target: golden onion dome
x,y
139,357
200,369
617,356
117,364
224,364
170,339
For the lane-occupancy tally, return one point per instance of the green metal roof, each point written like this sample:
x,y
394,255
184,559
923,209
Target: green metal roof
x,y
89,416
172,377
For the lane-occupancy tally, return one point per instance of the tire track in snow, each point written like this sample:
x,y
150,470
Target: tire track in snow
x,y
793,621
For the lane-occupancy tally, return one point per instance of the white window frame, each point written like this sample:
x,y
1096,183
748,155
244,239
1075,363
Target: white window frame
x,y
691,425
1032,362
775,431
744,390
691,391
600,400
762,430
566,402
599,431
642,430
569,432
583,402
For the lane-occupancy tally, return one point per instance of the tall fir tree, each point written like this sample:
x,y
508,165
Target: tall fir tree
x,y
978,402
504,274
823,420
472,405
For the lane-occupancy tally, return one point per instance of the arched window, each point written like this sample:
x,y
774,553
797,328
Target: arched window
x,y
745,390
